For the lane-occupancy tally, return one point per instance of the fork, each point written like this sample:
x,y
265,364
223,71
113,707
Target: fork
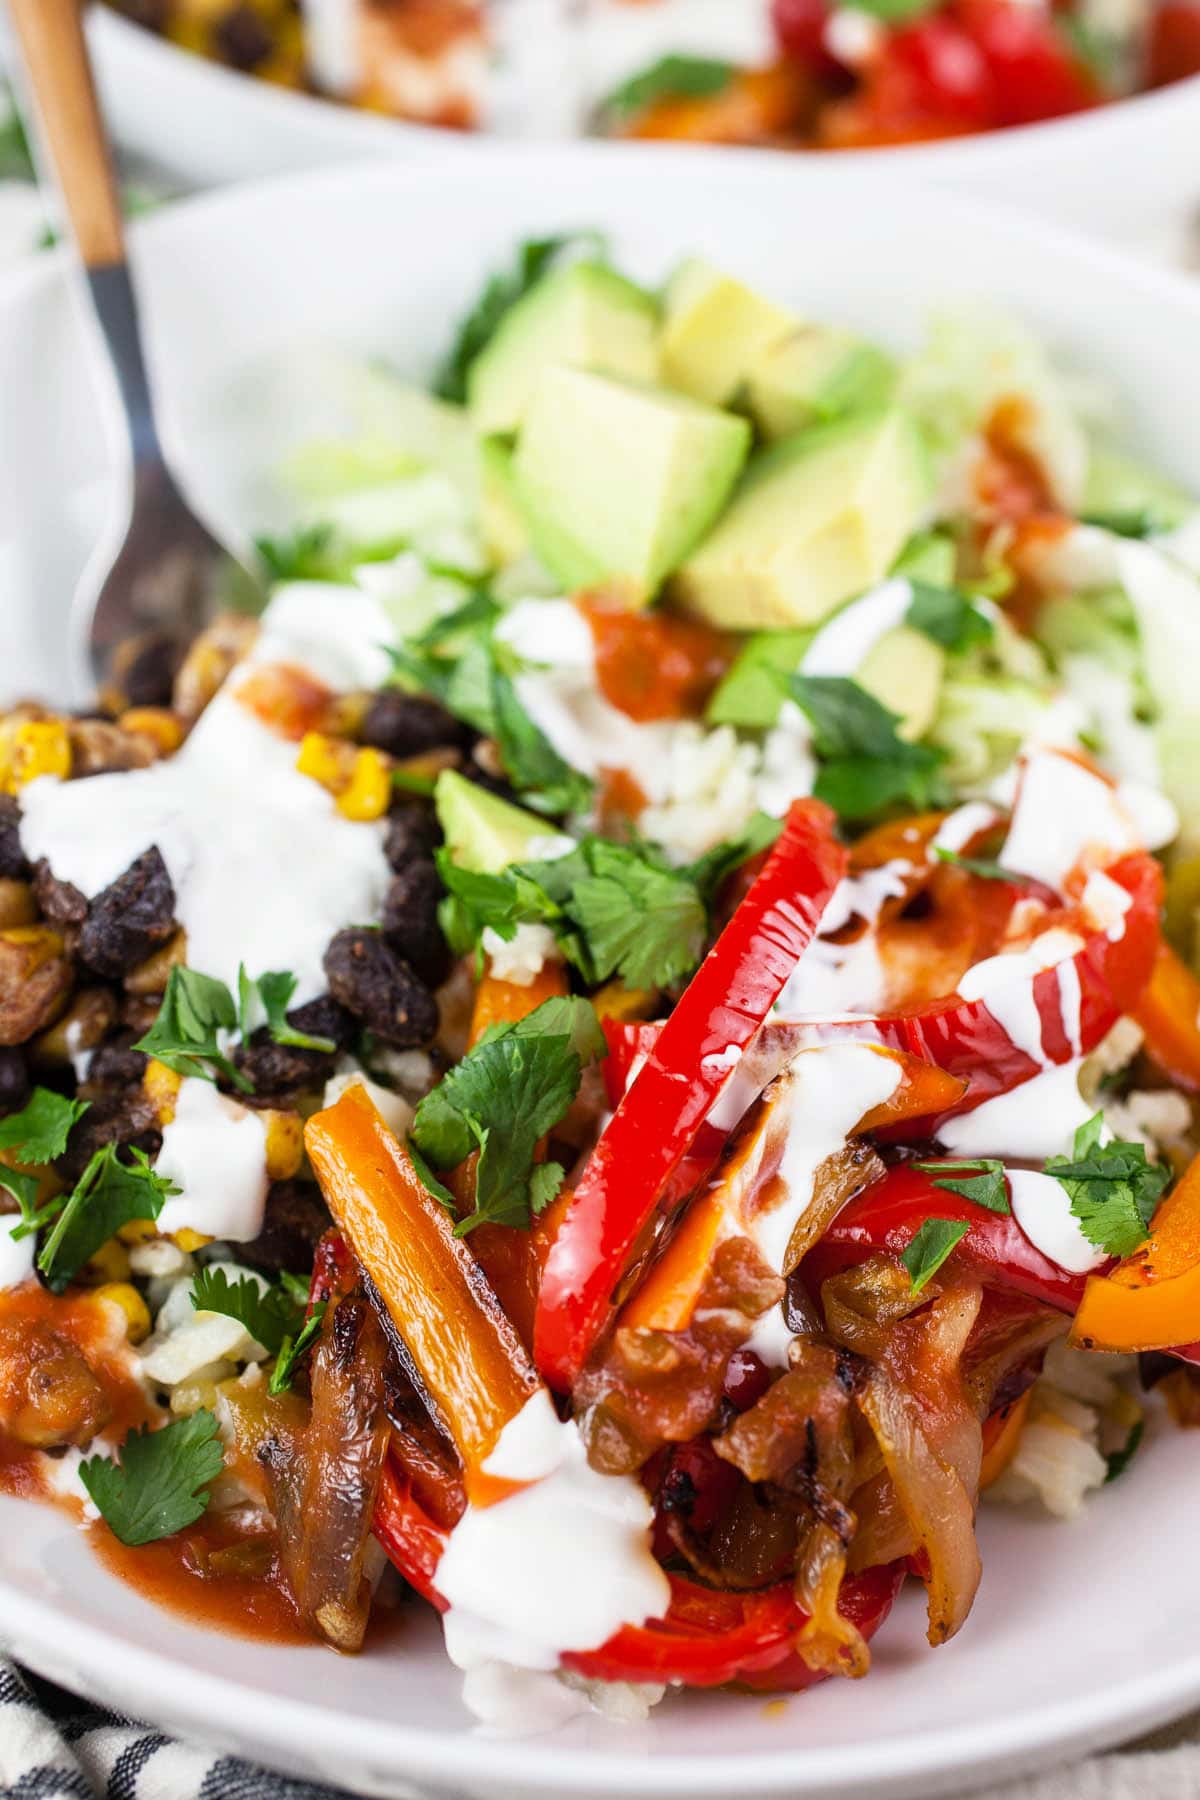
x,y
170,573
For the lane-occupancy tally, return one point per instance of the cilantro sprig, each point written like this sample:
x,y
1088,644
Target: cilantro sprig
x,y
865,764
39,1132
671,77
196,1010
185,1036
273,1316
110,1193
507,1094
270,995
161,1483
981,1181
615,910
929,1247
294,1349
1114,1190
534,259
950,618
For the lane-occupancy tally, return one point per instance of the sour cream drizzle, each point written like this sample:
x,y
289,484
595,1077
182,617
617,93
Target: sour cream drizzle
x,y
265,868
215,1152
560,1565
1042,1208
835,1085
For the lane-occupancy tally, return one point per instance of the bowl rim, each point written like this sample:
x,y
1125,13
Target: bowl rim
x,y
1057,1729
975,152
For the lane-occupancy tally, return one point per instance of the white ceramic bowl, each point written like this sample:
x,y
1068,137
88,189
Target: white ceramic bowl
x,y
1083,1633
1130,171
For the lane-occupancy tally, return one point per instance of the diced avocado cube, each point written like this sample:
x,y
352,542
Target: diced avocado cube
x,y
1119,488
817,373
904,673
818,518
484,833
618,482
751,694
586,315
505,537
714,329
928,556
397,429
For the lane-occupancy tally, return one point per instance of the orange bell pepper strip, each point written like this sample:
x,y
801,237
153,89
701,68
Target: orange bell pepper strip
x,y
667,1297
463,1347
507,1002
1169,1014
511,1260
1151,1301
1001,1435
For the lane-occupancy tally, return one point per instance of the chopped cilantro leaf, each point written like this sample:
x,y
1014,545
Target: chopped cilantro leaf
x,y
931,1244
672,77
534,259
271,993
951,619
194,1009
1119,1460
39,1132
162,1480
24,1190
268,1314
504,1097
1114,1190
110,1193
292,1351
981,1182
1140,522
865,764
429,1181
717,864
534,766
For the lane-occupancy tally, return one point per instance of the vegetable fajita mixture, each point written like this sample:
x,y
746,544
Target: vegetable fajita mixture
x,y
792,74
623,1055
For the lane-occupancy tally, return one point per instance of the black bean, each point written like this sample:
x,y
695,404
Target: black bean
x,y
410,724
410,921
114,1066
58,901
379,988
13,866
294,1218
412,830
126,1118
14,1081
279,1069
242,38
143,669
133,915
323,1017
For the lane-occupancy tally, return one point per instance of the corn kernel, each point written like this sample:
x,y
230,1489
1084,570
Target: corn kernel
x,y
31,748
110,1263
188,1240
17,904
370,787
325,759
137,1314
158,723
162,1087
284,1144
138,1231
615,1001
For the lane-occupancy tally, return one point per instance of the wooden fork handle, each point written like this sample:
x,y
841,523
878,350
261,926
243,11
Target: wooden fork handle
x,y
64,91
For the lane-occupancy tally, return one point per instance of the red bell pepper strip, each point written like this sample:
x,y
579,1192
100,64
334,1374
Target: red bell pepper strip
x,y
657,1121
709,1637
962,1037
886,1215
